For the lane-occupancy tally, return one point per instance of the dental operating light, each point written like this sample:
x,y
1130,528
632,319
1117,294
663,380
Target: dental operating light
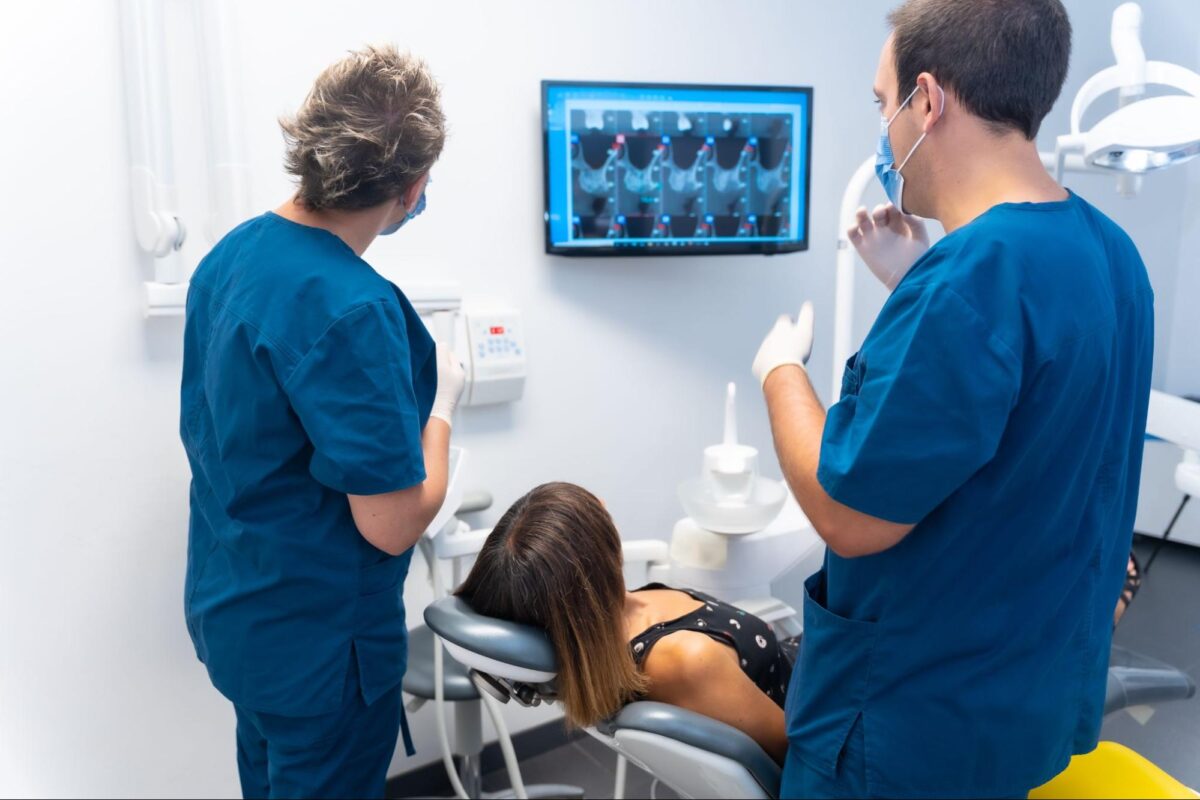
x,y
1144,134
1149,135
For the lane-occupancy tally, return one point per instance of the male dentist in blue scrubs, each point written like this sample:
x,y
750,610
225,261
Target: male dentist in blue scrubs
x,y
316,417
976,482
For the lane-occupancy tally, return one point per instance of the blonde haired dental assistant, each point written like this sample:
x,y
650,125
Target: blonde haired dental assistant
x,y
316,414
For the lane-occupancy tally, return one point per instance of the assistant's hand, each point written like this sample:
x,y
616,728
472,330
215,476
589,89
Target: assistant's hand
x,y
889,242
788,343
450,382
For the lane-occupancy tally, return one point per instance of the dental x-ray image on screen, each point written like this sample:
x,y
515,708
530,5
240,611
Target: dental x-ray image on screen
x,y
639,169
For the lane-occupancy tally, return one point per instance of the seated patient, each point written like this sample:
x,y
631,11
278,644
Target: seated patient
x,y
554,560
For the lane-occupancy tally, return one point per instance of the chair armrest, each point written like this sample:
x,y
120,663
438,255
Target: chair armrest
x,y
698,731
462,542
650,551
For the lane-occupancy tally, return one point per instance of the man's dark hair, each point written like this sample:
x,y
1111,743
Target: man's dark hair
x,y
1005,60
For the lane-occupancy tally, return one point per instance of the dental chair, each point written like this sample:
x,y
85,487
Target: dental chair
x,y
700,757
693,754
488,662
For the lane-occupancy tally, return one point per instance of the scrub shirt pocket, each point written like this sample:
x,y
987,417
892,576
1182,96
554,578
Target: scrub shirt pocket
x,y
853,374
832,680
381,632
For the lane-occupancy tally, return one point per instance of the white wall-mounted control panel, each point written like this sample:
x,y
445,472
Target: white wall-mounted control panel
x,y
494,356
487,337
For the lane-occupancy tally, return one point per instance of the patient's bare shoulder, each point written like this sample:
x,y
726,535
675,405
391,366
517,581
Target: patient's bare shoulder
x,y
695,671
685,662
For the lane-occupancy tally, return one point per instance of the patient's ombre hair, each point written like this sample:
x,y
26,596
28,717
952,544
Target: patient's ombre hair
x,y
554,560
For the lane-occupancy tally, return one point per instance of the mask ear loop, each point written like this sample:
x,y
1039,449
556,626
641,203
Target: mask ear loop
x,y
924,133
902,105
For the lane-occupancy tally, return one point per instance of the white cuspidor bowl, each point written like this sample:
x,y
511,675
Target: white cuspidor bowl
x,y
711,511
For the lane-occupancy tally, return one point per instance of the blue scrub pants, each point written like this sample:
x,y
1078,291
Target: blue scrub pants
x,y
342,754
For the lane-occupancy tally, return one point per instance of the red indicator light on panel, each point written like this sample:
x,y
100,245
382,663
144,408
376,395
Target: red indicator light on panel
x,y
496,330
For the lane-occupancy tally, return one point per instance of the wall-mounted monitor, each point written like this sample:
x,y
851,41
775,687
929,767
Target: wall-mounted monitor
x,y
674,169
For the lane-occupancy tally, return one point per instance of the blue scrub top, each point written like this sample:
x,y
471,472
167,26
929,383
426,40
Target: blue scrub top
x,y
307,376
999,403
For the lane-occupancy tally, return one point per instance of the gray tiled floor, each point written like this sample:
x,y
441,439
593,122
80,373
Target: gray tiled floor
x,y
585,763
1164,622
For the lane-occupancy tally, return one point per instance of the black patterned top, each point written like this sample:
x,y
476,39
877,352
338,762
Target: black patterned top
x,y
765,660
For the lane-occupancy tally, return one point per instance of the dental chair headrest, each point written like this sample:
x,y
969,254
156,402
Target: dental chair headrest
x,y
496,647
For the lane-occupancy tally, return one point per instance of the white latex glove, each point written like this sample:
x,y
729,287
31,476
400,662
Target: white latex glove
x,y
450,381
789,342
889,242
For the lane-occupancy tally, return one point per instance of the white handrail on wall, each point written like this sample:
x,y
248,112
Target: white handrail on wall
x,y
157,224
159,230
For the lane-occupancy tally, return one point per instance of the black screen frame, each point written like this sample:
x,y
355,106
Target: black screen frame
x,y
721,248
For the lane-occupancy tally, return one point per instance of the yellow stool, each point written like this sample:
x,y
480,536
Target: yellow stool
x,y
1112,770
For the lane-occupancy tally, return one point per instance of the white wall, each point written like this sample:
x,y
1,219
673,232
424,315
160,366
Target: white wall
x,y
1183,369
100,693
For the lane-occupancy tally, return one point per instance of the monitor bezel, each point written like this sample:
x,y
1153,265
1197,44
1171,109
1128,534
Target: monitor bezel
x,y
730,248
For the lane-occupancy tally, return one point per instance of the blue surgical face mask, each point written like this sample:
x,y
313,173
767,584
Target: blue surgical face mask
x,y
417,209
890,177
